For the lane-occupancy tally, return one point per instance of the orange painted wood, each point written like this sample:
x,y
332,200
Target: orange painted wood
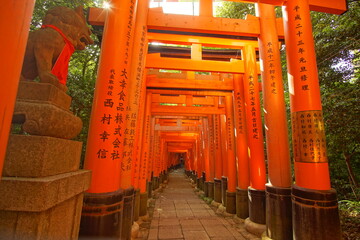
x,y
105,141
144,151
231,163
327,6
189,83
15,16
218,147
277,142
137,69
243,180
211,141
254,123
205,41
224,145
155,61
309,141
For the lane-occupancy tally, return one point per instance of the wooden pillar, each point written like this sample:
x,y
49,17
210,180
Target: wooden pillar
x,y
231,163
14,31
243,182
143,153
278,192
218,159
311,163
255,138
137,86
107,124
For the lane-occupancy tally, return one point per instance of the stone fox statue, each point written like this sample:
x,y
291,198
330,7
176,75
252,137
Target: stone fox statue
x,y
49,49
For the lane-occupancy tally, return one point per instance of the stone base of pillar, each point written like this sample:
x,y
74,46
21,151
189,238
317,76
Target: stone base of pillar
x,y
97,221
315,214
254,228
223,190
149,189
217,190
230,202
211,190
127,219
278,216
136,204
143,204
242,203
257,205
161,178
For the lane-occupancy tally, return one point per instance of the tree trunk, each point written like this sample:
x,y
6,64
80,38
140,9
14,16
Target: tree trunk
x,y
350,170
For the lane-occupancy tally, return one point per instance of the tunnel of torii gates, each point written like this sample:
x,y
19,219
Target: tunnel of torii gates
x,y
146,121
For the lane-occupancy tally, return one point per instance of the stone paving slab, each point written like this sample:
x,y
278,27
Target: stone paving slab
x,y
180,214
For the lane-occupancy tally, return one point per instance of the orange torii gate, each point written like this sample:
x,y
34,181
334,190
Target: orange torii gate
x,y
119,105
280,181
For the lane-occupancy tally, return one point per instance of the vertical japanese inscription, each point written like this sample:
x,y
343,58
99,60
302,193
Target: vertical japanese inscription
x,y
271,66
300,42
254,124
309,137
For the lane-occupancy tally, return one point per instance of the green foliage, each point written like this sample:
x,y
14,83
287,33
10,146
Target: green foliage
x,y
235,10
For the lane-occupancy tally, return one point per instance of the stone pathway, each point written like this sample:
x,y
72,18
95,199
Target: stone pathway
x,y
179,213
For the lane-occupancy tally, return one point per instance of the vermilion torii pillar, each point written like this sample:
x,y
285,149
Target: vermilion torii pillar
x,y
242,206
15,16
255,138
231,163
106,132
218,159
278,191
312,195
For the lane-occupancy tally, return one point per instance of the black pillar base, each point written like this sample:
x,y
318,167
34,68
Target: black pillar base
x,y
149,189
278,216
211,190
198,183
143,204
206,189
242,203
315,214
203,179
257,205
127,219
223,190
230,202
217,190
101,215
155,183
136,204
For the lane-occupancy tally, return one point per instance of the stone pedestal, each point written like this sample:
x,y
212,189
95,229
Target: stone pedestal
x,y
315,214
41,192
242,203
279,213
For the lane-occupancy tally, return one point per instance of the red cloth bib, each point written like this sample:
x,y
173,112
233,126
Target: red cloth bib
x,y
60,68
